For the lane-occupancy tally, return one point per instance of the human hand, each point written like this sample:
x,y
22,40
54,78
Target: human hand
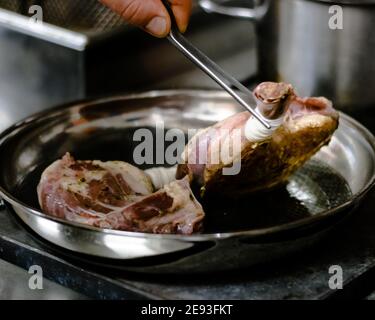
x,y
151,15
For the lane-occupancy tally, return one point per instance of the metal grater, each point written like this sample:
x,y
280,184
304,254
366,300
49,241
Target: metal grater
x,y
81,16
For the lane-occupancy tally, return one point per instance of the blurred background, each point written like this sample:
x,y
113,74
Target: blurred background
x,y
84,50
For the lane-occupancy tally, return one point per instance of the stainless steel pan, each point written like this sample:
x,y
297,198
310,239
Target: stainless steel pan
x,y
239,234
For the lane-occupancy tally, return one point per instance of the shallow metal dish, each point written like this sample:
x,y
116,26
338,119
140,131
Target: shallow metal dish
x,y
340,174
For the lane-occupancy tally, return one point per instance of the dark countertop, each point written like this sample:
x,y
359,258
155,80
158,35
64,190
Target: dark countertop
x,y
14,285
371,296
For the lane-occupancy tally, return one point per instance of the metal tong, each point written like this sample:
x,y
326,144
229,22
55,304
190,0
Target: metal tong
x,y
226,81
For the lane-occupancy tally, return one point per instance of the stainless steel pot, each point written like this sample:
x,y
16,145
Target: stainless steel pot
x,y
241,234
297,45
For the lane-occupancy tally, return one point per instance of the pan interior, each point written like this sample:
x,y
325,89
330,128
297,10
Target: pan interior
x,y
104,130
313,189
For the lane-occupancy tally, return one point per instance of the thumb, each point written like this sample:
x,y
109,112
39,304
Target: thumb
x,y
150,15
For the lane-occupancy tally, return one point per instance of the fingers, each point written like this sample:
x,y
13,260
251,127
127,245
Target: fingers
x,y
150,15
182,11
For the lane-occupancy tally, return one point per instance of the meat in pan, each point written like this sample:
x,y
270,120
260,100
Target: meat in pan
x,y
117,195
265,157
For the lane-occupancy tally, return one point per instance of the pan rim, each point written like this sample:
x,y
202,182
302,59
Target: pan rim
x,y
253,233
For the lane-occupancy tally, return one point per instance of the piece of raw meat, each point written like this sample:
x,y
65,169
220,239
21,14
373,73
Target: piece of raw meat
x,y
172,209
117,195
266,158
